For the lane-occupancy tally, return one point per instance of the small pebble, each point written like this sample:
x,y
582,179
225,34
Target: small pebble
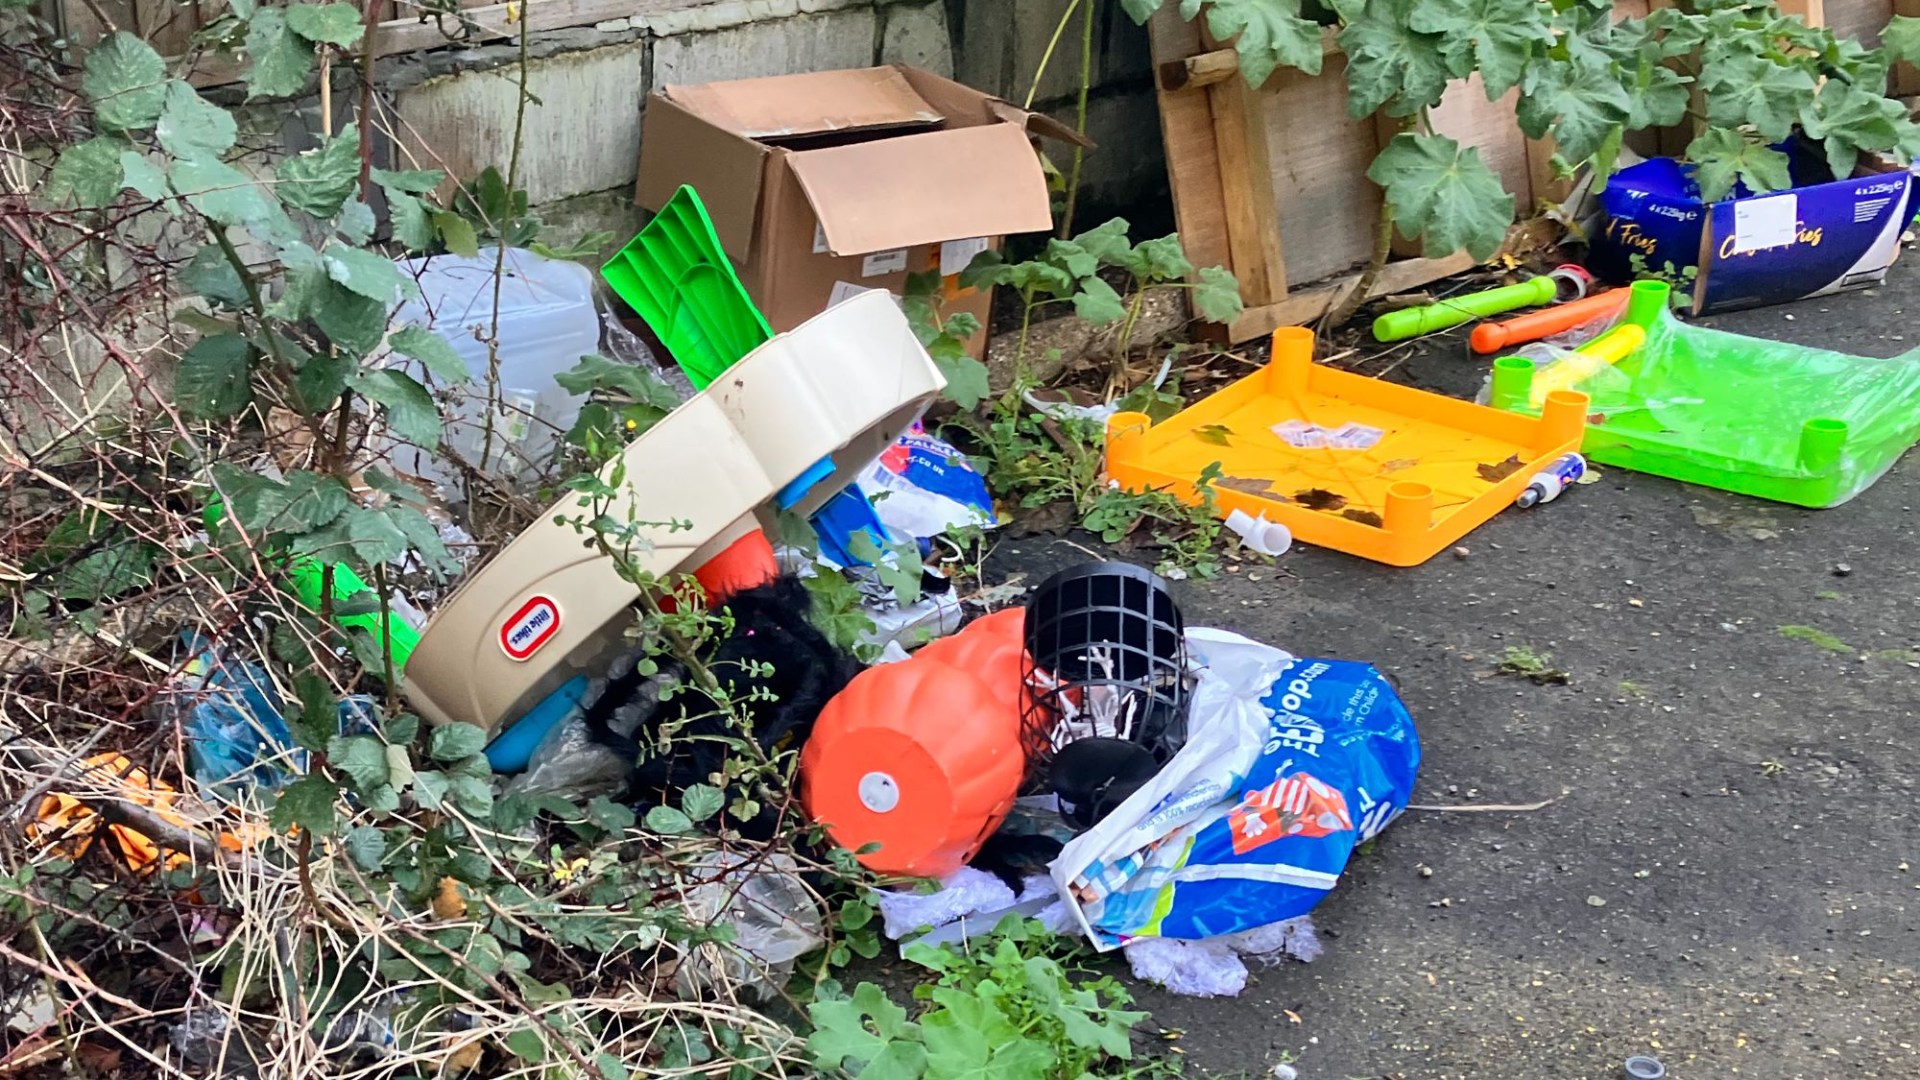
x,y
1596,901
1636,602
1426,871
1461,552
1841,569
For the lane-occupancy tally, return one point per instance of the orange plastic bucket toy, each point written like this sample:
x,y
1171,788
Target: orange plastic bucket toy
x,y
922,757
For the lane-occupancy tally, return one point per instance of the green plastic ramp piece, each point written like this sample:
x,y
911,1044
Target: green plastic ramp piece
x,y
1806,426
676,277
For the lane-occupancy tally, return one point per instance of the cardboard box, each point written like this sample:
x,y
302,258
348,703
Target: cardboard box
x,y
1821,236
821,185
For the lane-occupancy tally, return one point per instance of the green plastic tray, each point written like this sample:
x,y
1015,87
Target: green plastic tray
x,y
1776,421
676,277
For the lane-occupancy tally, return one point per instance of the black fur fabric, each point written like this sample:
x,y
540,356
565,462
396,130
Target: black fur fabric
x,y
771,630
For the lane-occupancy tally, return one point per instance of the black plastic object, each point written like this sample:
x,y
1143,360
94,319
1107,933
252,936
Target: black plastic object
x,y
1093,776
1106,659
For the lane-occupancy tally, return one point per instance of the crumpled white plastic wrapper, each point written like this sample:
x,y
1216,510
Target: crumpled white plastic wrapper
x,y
967,894
1214,967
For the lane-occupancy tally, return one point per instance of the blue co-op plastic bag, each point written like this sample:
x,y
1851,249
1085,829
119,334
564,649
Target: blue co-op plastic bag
x,y
1289,764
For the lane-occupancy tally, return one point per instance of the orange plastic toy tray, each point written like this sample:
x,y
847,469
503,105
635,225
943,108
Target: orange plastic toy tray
x,y
1382,471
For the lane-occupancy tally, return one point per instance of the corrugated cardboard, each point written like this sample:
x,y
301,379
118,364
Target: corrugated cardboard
x,y
823,184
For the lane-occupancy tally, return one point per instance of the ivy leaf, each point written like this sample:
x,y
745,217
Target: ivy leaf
x,y
412,222
362,758
224,193
701,801
1722,158
375,539
1660,101
143,176
306,804
1216,296
1901,38
1098,304
125,80
335,24
355,222
433,351
409,407
1495,36
1267,34
280,58
191,126
88,174
1850,120
1389,64
212,380
320,180
452,742
1746,89
1141,10
1580,100
1444,194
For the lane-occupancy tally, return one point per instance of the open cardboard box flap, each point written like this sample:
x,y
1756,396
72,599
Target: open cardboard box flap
x,y
925,189
811,103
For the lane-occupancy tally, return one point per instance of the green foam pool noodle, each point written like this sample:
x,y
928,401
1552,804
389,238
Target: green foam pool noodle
x,y
1412,322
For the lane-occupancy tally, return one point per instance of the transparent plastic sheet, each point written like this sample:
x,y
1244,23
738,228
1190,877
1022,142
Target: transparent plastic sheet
x,y
622,344
1778,421
775,922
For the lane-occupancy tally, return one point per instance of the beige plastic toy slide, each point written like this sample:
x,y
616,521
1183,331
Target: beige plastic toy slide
x,y
840,387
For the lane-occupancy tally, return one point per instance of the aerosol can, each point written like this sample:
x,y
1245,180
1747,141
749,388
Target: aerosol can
x,y
1548,483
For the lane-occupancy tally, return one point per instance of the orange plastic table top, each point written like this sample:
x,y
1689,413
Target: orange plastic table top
x,y
1371,468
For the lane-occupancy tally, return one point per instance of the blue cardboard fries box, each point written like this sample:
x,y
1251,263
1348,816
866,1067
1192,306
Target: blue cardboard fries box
x,y
1821,236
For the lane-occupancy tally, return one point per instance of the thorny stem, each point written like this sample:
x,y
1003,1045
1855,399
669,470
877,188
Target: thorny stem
x,y
386,637
368,50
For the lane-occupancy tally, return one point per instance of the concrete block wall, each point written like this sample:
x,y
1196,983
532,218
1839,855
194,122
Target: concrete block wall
x,y
455,109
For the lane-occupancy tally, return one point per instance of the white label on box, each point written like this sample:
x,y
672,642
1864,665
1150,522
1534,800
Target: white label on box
x,y
884,262
1765,223
819,239
846,290
956,254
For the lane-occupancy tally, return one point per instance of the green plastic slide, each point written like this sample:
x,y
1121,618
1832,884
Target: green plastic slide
x,y
1776,421
676,277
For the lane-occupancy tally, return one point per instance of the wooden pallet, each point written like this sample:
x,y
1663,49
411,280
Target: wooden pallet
x,y
1271,182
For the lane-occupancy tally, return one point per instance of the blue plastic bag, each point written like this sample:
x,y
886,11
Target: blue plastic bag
x,y
1289,765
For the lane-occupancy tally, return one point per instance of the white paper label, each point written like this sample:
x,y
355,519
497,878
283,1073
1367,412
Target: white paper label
x,y
819,239
846,290
956,254
884,262
1765,223
1348,436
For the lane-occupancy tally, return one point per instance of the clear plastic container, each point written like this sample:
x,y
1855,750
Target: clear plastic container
x,y
547,323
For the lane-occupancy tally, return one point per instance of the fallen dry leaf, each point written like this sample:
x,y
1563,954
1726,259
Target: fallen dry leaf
x,y
1364,517
1291,1015
1493,474
1320,499
447,901
1213,433
1398,463
1250,485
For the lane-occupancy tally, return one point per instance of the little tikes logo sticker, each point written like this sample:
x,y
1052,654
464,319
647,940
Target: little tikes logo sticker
x,y
531,627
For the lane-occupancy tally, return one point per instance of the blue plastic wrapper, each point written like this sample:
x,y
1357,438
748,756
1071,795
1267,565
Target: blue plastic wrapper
x,y
236,737
922,487
1290,764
